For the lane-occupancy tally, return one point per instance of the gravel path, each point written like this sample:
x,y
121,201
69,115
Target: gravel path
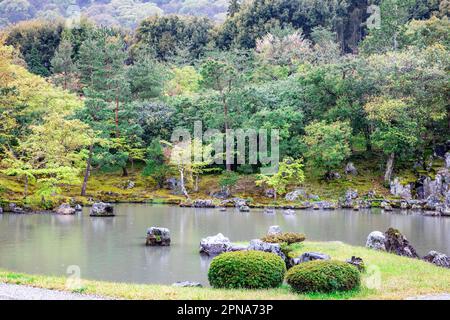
x,y
18,292
445,296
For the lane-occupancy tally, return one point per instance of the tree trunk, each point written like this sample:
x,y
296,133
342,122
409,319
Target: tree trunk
x,y
124,172
196,184
117,117
87,172
183,187
26,187
389,168
274,195
225,113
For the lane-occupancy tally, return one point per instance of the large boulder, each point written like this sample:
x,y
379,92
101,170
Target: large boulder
x,y
274,230
296,195
397,243
269,193
200,203
78,207
376,240
348,201
101,209
174,185
215,245
157,236
65,209
357,262
350,169
399,190
244,209
259,245
447,160
438,259
224,193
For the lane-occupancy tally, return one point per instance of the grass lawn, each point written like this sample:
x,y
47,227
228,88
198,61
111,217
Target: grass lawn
x,y
388,277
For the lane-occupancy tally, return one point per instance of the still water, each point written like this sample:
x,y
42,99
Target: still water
x,y
113,248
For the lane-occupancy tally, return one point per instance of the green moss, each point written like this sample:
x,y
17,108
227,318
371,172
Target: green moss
x,y
285,237
323,276
246,269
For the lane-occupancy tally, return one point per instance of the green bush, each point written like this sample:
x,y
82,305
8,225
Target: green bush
x,y
323,276
285,237
246,269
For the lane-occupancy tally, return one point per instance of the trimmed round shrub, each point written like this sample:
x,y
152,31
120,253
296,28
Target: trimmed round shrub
x,y
285,237
246,269
323,276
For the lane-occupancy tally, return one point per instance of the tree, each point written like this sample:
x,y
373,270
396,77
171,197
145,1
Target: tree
x,y
227,180
289,171
327,144
156,166
396,130
233,7
221,77
62,64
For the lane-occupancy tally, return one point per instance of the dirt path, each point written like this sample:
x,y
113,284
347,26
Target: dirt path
x,y
18,292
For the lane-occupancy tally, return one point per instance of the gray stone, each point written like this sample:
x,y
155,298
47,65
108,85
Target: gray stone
x,y
350,169
260,245
65,209
269,193
130,184
313,197
433,203
348,201
388,208
244,209
399,190
375,240
157,236
222,194
274,230
78,207
237,247
306,257
215,245
447,160
437,258
200,203
416,206
357,262
397,243
404,205
269,211
101,209
222,209
15,208
174,185
289,211
297,194
187,284
332,175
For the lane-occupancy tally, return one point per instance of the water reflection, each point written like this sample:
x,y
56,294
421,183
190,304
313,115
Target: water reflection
x,y
113,248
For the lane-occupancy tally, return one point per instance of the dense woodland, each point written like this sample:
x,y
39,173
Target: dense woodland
x,y
101,97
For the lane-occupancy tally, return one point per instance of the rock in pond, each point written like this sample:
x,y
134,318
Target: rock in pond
x,y
215,245
273,230
437,258
15,208
375,240
101,209
157,236
65,209
78,207
269,211
357,262
187,284
259,245
244,209
222,209
289,211
397,243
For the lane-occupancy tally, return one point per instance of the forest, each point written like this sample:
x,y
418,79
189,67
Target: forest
x,y
101,95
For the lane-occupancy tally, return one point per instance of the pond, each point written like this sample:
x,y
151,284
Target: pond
x,y
113,249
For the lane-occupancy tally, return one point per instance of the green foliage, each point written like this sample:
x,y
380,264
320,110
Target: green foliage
x,y
228,179
246,269
324,276
327,144
289,171
285,237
